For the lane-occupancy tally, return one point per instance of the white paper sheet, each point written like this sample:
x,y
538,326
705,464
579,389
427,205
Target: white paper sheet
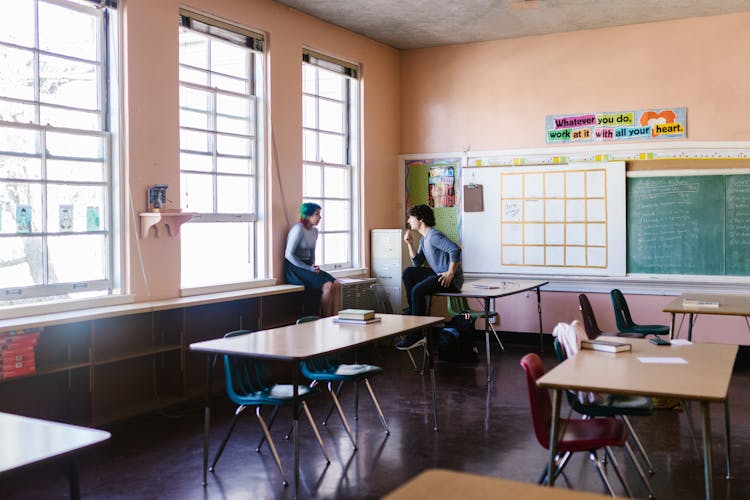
x,y
663,360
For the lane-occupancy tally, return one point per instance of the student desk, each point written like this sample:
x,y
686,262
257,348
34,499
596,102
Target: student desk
x,y
25,441
296,343
729,305
452,485
488,289
704,378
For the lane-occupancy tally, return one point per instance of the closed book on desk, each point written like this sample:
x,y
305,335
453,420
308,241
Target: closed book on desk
x,y
356,321
356,314
605,345
699,303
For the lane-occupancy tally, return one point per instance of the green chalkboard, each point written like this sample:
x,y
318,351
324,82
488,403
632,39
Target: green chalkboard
x,y
692,225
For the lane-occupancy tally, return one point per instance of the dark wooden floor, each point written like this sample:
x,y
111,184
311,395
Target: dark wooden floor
x,y
482,431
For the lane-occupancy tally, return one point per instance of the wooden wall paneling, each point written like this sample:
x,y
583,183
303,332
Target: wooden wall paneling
x,y
125,388
281,310
122,337
64,345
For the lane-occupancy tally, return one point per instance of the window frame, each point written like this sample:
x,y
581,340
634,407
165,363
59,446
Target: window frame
x,y
21,299
227,32
351,109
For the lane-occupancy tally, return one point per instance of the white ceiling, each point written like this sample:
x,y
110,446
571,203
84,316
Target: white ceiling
x,y
410,24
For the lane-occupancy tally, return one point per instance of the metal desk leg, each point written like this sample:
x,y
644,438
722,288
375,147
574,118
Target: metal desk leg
x,y
72,473
690,327
296,413
553,435
487,338
431,364
727,439
210,362
707,465
671,328
539,312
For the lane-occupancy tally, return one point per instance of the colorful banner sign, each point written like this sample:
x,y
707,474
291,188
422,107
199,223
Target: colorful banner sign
x,y
642,124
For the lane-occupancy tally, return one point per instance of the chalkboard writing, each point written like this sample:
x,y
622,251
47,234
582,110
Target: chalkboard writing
x,y
697,225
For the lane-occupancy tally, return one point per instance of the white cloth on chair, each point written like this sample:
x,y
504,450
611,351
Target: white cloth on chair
x,y
570,336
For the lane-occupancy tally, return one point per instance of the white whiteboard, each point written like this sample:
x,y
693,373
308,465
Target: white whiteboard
x,y
561,219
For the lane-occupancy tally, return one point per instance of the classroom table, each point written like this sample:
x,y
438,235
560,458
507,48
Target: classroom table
x,y
488,289
453,485
703,377
728,305
25,441
296,343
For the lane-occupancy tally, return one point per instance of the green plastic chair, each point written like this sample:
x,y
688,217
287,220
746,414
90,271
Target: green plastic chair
x,y
328,369
459,305
625,322
248,385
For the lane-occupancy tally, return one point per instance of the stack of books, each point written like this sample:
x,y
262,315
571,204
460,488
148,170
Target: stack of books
x,y
605,345
699,303
356,316
17,353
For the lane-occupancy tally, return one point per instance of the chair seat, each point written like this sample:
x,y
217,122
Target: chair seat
x,y
585,435
278,394
630,406
647,329
345,372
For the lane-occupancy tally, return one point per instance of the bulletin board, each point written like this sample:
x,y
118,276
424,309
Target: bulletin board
x,y
564,219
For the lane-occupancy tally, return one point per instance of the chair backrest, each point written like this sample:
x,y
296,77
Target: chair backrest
x,y
622,313
243,376
541,406
307,319
382,304
458,305
589,320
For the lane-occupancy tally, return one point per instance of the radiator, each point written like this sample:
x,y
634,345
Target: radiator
x,y
356,294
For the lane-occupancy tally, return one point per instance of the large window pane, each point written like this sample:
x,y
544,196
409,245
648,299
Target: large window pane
x,y
226,165
60,117
17,75
19,140
68,206
67,31
21,261
312,182
77,258
336,248
229,59
17,24
216,253
16,167
331,148
236,194
331,85
68,82
193,49
197,192
75,145
201,162
310,147
331,116
336,215
19,112
85,171
337,182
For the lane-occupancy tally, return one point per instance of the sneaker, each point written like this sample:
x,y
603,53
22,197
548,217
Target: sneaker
x,y
410,341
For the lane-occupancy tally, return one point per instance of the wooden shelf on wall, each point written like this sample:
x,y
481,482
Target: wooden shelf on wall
x,y
172,220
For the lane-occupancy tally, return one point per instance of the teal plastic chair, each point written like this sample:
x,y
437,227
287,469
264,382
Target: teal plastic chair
x,y
459,305
327,369
248,385
616,406
625,322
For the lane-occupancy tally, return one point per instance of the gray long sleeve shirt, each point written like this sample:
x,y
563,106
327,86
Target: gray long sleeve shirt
x,y
439,252
300,246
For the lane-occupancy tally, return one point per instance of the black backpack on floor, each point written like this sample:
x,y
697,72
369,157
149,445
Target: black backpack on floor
x,y
456,342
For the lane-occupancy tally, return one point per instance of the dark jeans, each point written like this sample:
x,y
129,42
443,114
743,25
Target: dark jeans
x,y
421,282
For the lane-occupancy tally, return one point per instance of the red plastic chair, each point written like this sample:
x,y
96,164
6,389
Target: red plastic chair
x,y
575,435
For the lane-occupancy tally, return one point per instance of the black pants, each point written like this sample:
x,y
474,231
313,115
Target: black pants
x,y
421,282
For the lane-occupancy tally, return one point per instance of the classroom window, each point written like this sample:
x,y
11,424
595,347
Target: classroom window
x,y
58,143
221,126
330,153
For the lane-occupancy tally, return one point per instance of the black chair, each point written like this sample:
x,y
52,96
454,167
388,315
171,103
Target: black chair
x,y
589,320
248,385
616,406
625,322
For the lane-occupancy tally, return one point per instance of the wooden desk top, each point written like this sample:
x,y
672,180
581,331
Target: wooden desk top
x,y
705,376
452,485
729,305
500,288
315,338
25,440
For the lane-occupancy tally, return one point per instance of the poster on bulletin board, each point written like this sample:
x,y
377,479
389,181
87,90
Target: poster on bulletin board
x,y
641,124
433,182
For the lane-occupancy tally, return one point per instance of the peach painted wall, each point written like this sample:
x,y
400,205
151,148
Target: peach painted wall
x,y
495,95
151,69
